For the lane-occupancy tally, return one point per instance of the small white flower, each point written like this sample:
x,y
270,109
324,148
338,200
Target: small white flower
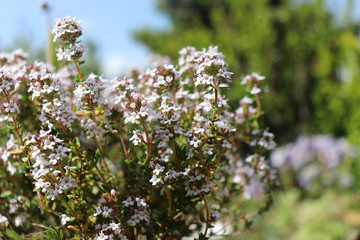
x,y
3,219
106,211
128,202
255,90
64,219
11,107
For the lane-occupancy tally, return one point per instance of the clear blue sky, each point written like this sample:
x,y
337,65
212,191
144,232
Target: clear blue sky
x,y
109,23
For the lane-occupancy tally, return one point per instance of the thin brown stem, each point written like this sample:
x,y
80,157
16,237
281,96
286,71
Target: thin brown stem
x,y
70,208
258,103
103,157
173,95
147,144
124,147
207,215
78,70
215,104
175,157
102,178
7,189
21,140
169,199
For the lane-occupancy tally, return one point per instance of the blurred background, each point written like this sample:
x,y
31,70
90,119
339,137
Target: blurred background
x,y
309,52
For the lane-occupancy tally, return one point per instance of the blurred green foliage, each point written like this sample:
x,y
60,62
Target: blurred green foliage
x,y
309,56
294,218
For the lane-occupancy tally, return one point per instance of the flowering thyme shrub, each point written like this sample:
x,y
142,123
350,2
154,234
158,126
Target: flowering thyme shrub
x,y
156,155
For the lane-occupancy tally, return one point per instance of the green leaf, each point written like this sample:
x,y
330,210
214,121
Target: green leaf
x,y
5,194
61,234
77,142
24,166
12,234
52,234
77,79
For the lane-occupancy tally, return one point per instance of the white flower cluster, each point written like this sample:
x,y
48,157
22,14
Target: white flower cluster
x,y
139,210
92,128
47,152
59,111
6,156
162,176
263,139
136,108
43,84
187,58
67,29
212,69
88,94
71,54
165,77
105,211
7,82
245,175
14,58
198,184
110,231
253,82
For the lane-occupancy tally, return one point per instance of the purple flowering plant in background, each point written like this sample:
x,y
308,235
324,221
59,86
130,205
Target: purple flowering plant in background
x,y
157,154
314,161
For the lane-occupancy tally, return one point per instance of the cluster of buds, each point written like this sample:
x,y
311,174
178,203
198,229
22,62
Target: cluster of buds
x,y
68,30
212,69
136,107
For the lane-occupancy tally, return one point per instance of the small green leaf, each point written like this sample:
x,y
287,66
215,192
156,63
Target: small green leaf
x,y
77,79
5,194
52,234
12,234
61,234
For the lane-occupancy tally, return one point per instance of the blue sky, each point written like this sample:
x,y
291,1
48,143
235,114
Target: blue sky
x,y
109,23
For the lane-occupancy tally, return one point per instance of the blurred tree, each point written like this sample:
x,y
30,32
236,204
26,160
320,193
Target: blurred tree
x,y
300,46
